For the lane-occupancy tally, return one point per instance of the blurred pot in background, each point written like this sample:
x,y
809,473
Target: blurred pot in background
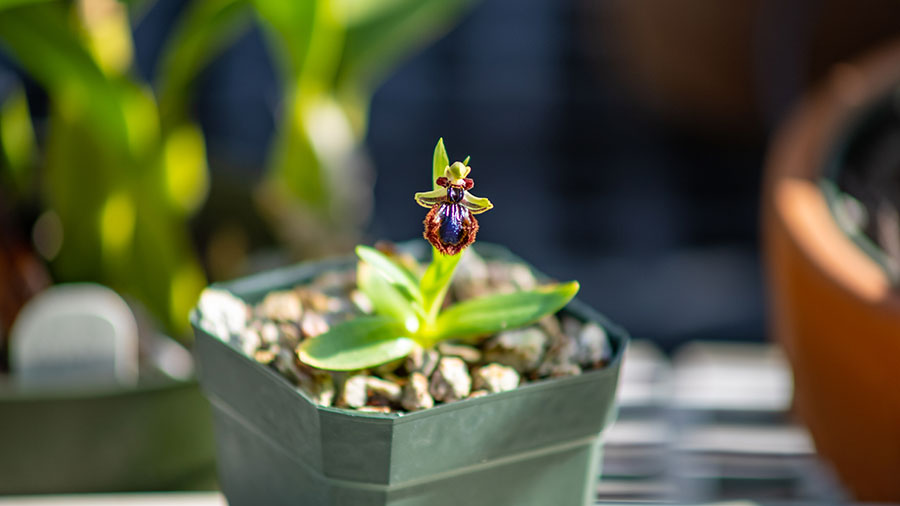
x,y
833,305
734,65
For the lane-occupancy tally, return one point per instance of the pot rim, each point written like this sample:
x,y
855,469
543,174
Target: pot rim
x,y
800,159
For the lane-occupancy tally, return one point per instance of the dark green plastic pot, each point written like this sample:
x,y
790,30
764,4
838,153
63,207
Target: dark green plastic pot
x,y
536,445
156,436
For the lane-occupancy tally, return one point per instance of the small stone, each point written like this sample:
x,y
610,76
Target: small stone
x,y
552,327
422,361
374,409
415,393
495,378
561,360
319,387
471,277
355,392
383,389
288,335
451,381
268,332
571,326
266,356
223,315
520,349
593,345
281,306
477,393
334,281
318,301
387,370
286,363
564,369
250,341
313,324
499,278
522,277
469,354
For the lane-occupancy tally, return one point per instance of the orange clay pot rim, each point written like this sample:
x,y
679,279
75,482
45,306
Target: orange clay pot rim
x,y
800,154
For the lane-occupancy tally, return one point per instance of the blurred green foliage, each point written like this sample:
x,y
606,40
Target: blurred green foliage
x,y
120,166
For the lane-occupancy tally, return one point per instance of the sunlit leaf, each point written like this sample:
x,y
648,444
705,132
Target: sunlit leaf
x,y
385,34
17,139
393,272
436,280
117,223
440,161
6,4
291,27
356,344
41,39
490,314
184,160
388,299
107,31
201,33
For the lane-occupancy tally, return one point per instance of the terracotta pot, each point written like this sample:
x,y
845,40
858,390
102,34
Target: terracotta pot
x,y
832,306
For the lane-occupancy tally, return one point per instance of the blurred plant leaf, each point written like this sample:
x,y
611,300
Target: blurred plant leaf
x,y
17,140
8,4
184,165
380,33
41,40
202,32
490,314
356,344
107,34
122,207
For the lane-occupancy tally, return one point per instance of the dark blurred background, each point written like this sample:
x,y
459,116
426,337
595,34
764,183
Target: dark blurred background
x,y
621,142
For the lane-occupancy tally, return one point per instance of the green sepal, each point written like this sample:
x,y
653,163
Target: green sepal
x,y
487,315
440,162
476,204
360,343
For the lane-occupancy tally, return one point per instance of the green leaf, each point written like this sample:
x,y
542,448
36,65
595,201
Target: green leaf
x,y
356,344
379,37
202,32
436,281
440,162
17,139
40,37
6,4
487,315
388,299
393,272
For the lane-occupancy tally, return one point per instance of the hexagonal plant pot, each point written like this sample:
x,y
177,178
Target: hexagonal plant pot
x,y
536,445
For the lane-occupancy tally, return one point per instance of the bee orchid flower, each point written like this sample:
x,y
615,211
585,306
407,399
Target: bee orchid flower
x,y
450,225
